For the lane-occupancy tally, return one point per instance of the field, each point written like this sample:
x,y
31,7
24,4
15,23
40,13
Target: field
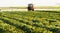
x,y
30,22
24,8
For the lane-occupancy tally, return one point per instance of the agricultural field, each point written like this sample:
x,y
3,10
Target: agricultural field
x,y
30,22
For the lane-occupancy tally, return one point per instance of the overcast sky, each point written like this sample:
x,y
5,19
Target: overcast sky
x,y
25,2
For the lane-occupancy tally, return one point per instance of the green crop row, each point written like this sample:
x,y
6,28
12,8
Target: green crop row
x,y
30,22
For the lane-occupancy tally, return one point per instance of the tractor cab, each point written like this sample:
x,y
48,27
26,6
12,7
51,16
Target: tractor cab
x,y
30,7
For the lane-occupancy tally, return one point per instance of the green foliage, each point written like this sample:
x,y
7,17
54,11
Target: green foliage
x,y
30,22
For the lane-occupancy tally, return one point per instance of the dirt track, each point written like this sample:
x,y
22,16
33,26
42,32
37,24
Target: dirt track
x,y
26,9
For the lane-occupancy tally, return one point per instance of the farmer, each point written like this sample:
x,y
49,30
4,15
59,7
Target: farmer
x,y
30,7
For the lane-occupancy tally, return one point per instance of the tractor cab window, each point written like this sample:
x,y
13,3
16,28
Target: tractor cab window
x,y
30,5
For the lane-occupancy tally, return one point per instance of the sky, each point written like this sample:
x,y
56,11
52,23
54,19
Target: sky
x,y
8,3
